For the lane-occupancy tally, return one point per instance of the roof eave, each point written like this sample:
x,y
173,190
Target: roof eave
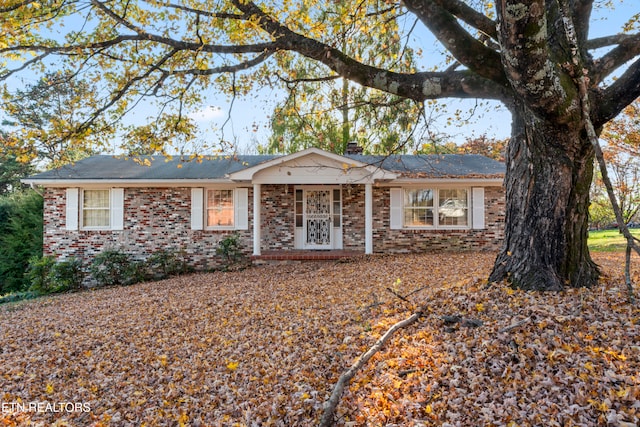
x,y
176,182
497,181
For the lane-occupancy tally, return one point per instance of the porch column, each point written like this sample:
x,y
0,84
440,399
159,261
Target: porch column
x,y
368,219
256,220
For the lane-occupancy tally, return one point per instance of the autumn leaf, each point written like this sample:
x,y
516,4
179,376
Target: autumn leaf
x,y
145,354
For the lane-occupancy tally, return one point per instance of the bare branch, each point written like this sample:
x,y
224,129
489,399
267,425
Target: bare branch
x,y
217,15
16,6
607,41
583,81
514,325
464,47
307,80
416,86
24,66
181,45
470,16
627,49
226,68
611,101
346,377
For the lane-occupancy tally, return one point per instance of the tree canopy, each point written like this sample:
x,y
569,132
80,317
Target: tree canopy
x,y
176,54
534,56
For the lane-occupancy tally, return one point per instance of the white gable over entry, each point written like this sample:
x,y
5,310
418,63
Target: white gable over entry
x,y
313,166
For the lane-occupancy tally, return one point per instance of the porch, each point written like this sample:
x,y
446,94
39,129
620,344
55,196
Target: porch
x,y
303,255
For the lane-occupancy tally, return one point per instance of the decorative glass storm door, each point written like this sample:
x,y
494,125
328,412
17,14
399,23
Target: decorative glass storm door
x,y
317,219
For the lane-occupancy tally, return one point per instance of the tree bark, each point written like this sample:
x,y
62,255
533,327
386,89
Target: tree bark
x,y
549,172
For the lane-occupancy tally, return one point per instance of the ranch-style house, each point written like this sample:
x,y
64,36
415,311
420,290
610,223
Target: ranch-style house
x,y
303,205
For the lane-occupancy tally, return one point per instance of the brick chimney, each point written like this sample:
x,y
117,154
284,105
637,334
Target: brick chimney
x,y
353,148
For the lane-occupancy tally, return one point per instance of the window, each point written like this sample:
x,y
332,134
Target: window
x,y
337,207
430,208
299,208
453,208
418,208
219,208
96,209
220,211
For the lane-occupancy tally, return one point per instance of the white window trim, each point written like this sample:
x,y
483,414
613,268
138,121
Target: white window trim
x,y
400,210
199,197
116,209
234,209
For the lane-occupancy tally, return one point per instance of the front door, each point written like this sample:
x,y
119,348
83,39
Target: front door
x,y
317,222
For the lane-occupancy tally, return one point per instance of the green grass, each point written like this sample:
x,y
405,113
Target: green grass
x,y
609,240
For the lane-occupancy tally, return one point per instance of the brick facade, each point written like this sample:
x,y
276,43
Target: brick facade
x,y
386,240
154,219
159,218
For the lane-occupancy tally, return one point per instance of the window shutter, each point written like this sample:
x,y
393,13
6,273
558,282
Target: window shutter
x,y
72,209
117,208
197,208
395,211
241,209
477,202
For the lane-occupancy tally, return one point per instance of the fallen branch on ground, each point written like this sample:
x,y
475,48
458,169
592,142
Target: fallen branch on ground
x,y
515,325
346,377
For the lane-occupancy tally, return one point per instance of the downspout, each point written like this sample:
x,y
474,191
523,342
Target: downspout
x,y
33,187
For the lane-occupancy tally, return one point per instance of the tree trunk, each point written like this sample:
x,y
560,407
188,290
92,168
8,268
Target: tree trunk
x,y
549,172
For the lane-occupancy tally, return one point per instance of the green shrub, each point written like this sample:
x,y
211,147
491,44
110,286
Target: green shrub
x,y
18,296
112,268
48,276
230,249
68,274
39,273
165,263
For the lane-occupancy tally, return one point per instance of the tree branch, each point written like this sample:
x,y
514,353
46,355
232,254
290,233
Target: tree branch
x,y
415,86
627,49
468,50
225,68
346,377
142,35
470,16
611,101
530,60
607,41
16,6
216,15
583,82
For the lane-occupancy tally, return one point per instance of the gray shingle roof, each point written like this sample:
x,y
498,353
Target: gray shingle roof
x,y
106,167
436,165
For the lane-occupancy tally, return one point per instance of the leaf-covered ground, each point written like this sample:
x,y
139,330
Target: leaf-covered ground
x,y
266,345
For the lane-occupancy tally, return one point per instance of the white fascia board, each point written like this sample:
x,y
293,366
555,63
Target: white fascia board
x,y
485,182
126,182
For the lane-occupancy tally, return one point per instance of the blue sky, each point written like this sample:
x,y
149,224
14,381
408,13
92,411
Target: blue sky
x,y
248,124
249,117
